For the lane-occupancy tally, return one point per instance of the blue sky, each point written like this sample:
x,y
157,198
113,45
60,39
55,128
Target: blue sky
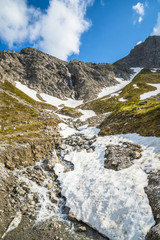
x,y
87,30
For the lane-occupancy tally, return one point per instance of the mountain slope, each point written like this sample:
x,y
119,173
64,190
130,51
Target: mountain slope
x,y
145,54
59,179
55,77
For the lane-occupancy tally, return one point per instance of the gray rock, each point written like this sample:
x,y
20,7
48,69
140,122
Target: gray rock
x,y
121,157
153,193
45,73
146,54
154,233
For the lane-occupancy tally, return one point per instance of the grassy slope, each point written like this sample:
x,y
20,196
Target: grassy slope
x,y
21,117
142,117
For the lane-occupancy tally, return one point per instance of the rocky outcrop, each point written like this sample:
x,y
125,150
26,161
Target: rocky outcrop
x,y
19,155
145,54
121,157
87,77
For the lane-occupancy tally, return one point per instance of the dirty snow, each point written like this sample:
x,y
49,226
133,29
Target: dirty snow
x,y
66,131
112,202
30,92
86,114
154,70
57,102
151,93
89,132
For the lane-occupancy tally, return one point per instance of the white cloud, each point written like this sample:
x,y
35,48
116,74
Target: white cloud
x,y
156,29
102,3
140,19
139,8
57,31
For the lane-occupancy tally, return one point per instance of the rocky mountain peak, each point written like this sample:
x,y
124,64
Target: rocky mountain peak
x,y
50,75
145,54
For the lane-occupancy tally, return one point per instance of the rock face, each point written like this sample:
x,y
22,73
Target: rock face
x,y
55,77
153,192
146,54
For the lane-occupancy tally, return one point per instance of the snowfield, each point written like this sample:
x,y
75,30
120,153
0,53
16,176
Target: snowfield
x,y
113,202
30,92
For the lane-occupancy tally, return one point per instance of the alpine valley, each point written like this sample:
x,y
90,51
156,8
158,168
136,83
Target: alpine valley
x,y
80,146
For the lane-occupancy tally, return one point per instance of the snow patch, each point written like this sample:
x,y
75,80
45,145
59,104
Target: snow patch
x,y
30,92
58,102
122,99
151,93
138,43
86,114
135,86
122,84
154,70
112,202
65,130
89,132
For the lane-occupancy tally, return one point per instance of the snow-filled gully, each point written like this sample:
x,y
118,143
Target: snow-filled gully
x,y
112,202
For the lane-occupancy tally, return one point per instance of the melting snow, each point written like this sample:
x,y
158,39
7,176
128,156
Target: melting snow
x,y
122,99
65,130
30,92
86,114
112,202
151,93
58,102
135,86
89,132
154,70
122,84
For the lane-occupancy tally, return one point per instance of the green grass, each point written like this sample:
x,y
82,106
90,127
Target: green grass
x,y
132,115
11,88
17,117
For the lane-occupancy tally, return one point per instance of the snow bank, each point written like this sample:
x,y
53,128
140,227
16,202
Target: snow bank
x,y
65,130
58,102
151,93
86,114
113,89
89,132
122,99
122,84
112,202
30,92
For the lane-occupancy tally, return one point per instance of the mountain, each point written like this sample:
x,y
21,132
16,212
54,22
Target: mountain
x,y
55,77
80,146
145,54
